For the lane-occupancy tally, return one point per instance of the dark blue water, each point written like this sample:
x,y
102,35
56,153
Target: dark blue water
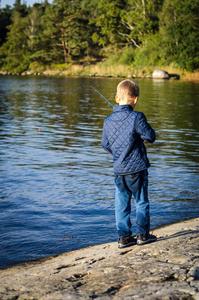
x,y
56,183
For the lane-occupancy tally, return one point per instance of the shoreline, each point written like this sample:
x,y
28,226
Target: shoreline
x,y
173,223
57,73
165,269
41,259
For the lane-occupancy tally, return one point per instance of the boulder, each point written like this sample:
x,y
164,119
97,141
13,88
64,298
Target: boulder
x,y
160,74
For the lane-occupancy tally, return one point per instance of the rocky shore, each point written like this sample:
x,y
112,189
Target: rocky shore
x,y
157,74
165,269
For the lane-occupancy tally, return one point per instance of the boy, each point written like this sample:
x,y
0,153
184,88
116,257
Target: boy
x,y
124,133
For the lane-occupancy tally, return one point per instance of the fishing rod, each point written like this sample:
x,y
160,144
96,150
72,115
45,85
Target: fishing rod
x,y
102,97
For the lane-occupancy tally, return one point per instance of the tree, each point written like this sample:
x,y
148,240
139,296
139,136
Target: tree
x,y
14,52
5,21
39,36
65,33
33,26
179,32
108,23
141,20
20,8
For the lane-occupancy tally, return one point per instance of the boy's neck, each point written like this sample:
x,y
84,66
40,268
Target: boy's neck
x,y
132,102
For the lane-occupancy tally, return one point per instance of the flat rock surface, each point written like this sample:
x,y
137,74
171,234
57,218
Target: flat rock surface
x,y
165,269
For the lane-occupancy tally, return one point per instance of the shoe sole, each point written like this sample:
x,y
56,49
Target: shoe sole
x,y
139,243
127,245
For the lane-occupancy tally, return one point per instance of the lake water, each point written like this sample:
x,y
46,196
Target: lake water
x,y
56,182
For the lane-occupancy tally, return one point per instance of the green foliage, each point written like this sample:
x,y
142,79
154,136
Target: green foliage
x,y
5,21
151,53
180,32
124,57
108,23
65,32
37,67
127,56
14,52
33,27
20,8
141,20
137,33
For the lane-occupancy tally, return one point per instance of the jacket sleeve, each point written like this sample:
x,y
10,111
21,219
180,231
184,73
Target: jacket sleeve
x,y
105,142
144,129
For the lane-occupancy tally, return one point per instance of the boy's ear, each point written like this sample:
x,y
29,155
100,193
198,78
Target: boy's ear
x,y
117,100
135,99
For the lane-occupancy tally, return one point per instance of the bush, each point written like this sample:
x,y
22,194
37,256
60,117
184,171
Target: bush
x,y
36,67
151,53
127,56
16,63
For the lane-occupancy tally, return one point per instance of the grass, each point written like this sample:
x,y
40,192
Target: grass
x,y
108,68
124,71
100,69
191,76
114,70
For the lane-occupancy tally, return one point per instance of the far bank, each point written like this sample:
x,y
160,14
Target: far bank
x,y
104,69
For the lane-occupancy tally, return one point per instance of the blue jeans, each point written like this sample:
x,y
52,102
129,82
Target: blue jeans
x,y
127,185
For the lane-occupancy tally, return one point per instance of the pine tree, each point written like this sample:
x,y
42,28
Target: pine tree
x,y
5,21
65,31
14,52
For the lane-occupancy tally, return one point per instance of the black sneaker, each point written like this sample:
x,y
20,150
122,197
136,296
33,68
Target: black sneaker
x,y
126,241
145,239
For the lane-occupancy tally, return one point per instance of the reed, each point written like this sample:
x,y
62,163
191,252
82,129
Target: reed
x,y
117,70
191,76
114,70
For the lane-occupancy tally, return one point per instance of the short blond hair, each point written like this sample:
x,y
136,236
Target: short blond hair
x,y
128,88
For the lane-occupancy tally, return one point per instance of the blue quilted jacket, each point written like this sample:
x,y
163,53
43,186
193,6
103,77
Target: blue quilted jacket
x,y
123,136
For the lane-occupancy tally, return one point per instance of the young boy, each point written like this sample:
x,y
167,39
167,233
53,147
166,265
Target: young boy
x,y
124,133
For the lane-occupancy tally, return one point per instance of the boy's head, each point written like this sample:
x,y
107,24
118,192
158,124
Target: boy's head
x,y
127,92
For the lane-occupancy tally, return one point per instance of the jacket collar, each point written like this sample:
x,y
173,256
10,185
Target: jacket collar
x,y
126,107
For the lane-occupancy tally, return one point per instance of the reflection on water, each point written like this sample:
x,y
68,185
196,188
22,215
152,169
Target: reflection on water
x,y
56,182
